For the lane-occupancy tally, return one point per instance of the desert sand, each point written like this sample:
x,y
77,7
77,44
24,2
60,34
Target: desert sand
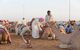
x,y
37,44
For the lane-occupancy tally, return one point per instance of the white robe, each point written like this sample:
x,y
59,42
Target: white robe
x,y
49,18
18,29
35,29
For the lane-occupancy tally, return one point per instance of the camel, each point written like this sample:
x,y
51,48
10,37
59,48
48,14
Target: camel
x,y
71,40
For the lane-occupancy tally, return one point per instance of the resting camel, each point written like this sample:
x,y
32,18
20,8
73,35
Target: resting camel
x,y
5,38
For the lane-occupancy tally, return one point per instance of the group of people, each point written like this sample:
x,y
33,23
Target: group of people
x,y
37,28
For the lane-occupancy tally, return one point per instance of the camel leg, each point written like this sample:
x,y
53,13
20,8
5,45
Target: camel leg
x,y
52,34
44,35
8,39
4,38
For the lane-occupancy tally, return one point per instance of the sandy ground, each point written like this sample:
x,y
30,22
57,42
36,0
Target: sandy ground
x,y
37,44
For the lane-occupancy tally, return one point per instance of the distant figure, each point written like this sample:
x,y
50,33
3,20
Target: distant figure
x,y
20,25
69,29
24,21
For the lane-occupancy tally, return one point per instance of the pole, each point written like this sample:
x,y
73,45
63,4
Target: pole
x,y
23,9
69,11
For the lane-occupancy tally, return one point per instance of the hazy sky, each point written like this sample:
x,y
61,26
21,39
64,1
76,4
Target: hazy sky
x,y
16,9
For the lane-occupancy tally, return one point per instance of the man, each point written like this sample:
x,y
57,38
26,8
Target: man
x,y
24,21
20,25
35,29
48,17
48,22
25,33
69,29
24,26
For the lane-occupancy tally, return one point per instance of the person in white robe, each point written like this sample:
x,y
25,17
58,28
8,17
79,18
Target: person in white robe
x,y
35,28
17,28
20,25
49,17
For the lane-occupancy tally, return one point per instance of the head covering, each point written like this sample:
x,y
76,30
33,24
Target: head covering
x,y
41,19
